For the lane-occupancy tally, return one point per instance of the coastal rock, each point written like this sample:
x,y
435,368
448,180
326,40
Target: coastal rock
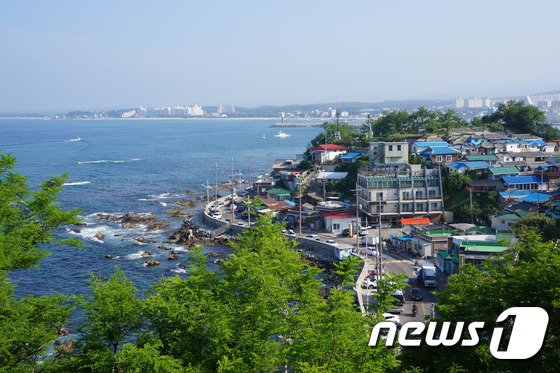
x,y
108,256
159,226
151,263
100,236
213,254
140,239
173,257
188,203
134,219
178,212
175,252
80,224
62,331
146,254
163,247
76,230
66,347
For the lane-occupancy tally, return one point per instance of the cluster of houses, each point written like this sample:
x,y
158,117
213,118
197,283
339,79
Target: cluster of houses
x,y
522,169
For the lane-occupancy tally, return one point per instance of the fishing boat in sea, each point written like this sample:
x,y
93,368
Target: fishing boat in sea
x,y
282,135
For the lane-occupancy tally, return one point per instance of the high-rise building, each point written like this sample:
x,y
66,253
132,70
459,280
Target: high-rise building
x,y
226,109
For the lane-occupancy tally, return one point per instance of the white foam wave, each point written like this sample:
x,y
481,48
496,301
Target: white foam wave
x,y
77,183
90,232
110,161
163,204
134,256
165,195
179,270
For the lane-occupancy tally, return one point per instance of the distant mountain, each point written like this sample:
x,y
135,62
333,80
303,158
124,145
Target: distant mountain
x,y
351,107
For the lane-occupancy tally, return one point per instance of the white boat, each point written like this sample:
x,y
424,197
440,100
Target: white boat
x,y
264,137
282,135
76,139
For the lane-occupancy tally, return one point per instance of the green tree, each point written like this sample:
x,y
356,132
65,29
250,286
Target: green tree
x,y
526,276
543,224
28,220
113,313
347,269
519,117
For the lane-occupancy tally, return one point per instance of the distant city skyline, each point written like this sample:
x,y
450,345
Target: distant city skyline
x,y
67,55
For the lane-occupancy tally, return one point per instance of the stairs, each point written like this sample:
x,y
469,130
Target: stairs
x,y
220,230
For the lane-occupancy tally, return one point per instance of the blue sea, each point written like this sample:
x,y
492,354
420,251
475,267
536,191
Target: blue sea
x,y
121,166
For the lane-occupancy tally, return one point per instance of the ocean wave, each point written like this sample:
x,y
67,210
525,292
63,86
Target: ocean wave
x,y
90,232
163,204
134,256
165,195
77,183
110,161
179,270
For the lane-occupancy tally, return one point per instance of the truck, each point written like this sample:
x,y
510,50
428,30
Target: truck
x,y
370,240
427,275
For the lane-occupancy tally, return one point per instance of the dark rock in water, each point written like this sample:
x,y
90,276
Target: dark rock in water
x,y
213,253
163,247
159,226
80,224
175,251
145,254
134,219
151,263
76,230
139,239
62,331
108,256
173,257
117,235
100,236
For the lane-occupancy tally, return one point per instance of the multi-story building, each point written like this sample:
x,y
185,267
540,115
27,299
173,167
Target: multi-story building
x,y
403,191
388,153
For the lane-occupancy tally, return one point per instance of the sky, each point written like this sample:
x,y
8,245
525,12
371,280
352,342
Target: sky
x,y
62,55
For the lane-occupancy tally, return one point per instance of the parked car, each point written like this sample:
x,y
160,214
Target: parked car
x,y
369,283
415,294
291,231
284,231
346,232
332,242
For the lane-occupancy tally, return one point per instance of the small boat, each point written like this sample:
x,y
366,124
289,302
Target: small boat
x,y
282,135
75,139
264,137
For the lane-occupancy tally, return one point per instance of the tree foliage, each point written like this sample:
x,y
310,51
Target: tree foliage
x,y
526,276
520,117
28,220
543,224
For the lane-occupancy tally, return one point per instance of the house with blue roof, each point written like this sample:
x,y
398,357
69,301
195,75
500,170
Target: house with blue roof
x,y
468,166
350,157
527,182
419,146
441,154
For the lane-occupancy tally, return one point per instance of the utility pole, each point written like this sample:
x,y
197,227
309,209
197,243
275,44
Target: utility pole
x,y
216,188
470,198
358,223
299,189
250,169
232,194
379,240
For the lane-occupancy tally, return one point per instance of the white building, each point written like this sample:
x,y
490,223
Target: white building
x,y
388,153
405,191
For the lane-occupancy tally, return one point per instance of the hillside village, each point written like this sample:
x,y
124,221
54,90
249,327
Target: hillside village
x,y
453,198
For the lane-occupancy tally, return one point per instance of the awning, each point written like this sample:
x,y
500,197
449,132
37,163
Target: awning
x,y
415,221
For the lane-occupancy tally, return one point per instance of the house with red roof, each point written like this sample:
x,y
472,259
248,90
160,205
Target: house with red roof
x,y
337,221
327,152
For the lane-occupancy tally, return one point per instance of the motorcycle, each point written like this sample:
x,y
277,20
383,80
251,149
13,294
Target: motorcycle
x,y
414,310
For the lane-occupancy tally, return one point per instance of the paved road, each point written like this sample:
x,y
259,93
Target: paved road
x,y
396,263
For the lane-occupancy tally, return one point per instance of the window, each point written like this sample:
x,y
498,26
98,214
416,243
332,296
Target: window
x,y
419,207
432,193
406,195
336,226
398,147
419,194
379,196
390,148
438,158
448,158
434,205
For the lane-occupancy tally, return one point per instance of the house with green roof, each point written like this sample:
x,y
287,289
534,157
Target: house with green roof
x,y
505,219
472,249
278,194
496,173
